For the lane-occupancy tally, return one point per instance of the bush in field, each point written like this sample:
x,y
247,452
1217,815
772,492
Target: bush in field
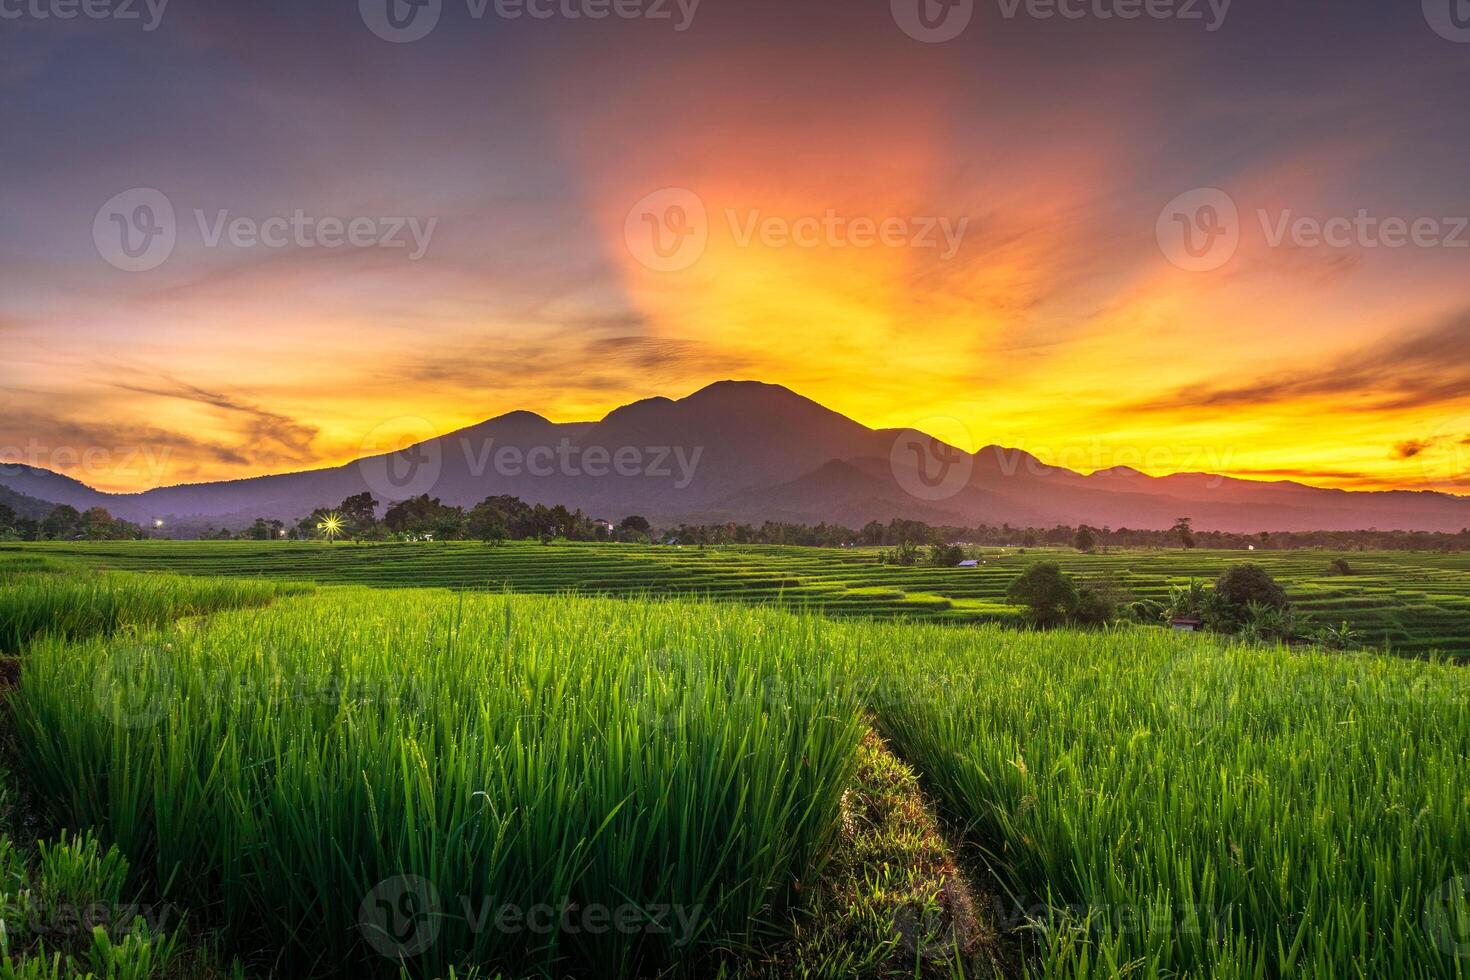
x,y
1339,566
1246,583
1266,623
1246,598
1095,607
905,554
946,555
1048,594
1187,601
1342,637
1146,611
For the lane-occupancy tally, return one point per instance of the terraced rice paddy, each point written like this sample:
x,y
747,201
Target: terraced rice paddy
x,y
364,782
295,764
1415,603
37,599
1175,809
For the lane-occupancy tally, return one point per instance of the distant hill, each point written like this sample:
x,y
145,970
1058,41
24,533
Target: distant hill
x,y
24,506
747,451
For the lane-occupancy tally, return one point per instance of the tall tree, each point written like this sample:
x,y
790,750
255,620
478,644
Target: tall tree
x,y
1183,531
62,524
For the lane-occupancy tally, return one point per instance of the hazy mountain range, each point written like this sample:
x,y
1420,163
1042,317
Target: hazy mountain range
x,y
746,451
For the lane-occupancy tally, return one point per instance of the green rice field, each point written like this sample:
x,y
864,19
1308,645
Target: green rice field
x,y
350,777
1415,603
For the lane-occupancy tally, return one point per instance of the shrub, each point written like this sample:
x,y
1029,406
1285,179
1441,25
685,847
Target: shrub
x,y
1267,624
1342,637
946,555
1146,611
1244,584
1048,593
1186,601
1095,607
1339,566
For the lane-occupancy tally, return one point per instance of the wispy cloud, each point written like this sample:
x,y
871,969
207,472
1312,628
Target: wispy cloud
x,y
260,427
1428,368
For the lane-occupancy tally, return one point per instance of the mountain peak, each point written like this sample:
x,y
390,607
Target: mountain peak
x,y
522,417
738,393
633,410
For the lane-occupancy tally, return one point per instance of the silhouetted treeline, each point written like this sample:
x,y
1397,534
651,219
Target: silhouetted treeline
x,y
425,518
901,532
506,518
66,523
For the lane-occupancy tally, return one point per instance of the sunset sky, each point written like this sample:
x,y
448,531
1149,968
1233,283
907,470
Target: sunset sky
x,y
1059,324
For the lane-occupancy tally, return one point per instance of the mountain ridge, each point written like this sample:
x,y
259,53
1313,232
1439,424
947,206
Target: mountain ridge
x,y
751,451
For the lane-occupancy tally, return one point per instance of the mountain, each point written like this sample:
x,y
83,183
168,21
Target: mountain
x,y
747,451
23,505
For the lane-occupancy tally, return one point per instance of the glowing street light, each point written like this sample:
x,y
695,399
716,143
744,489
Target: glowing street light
x,y
330,526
